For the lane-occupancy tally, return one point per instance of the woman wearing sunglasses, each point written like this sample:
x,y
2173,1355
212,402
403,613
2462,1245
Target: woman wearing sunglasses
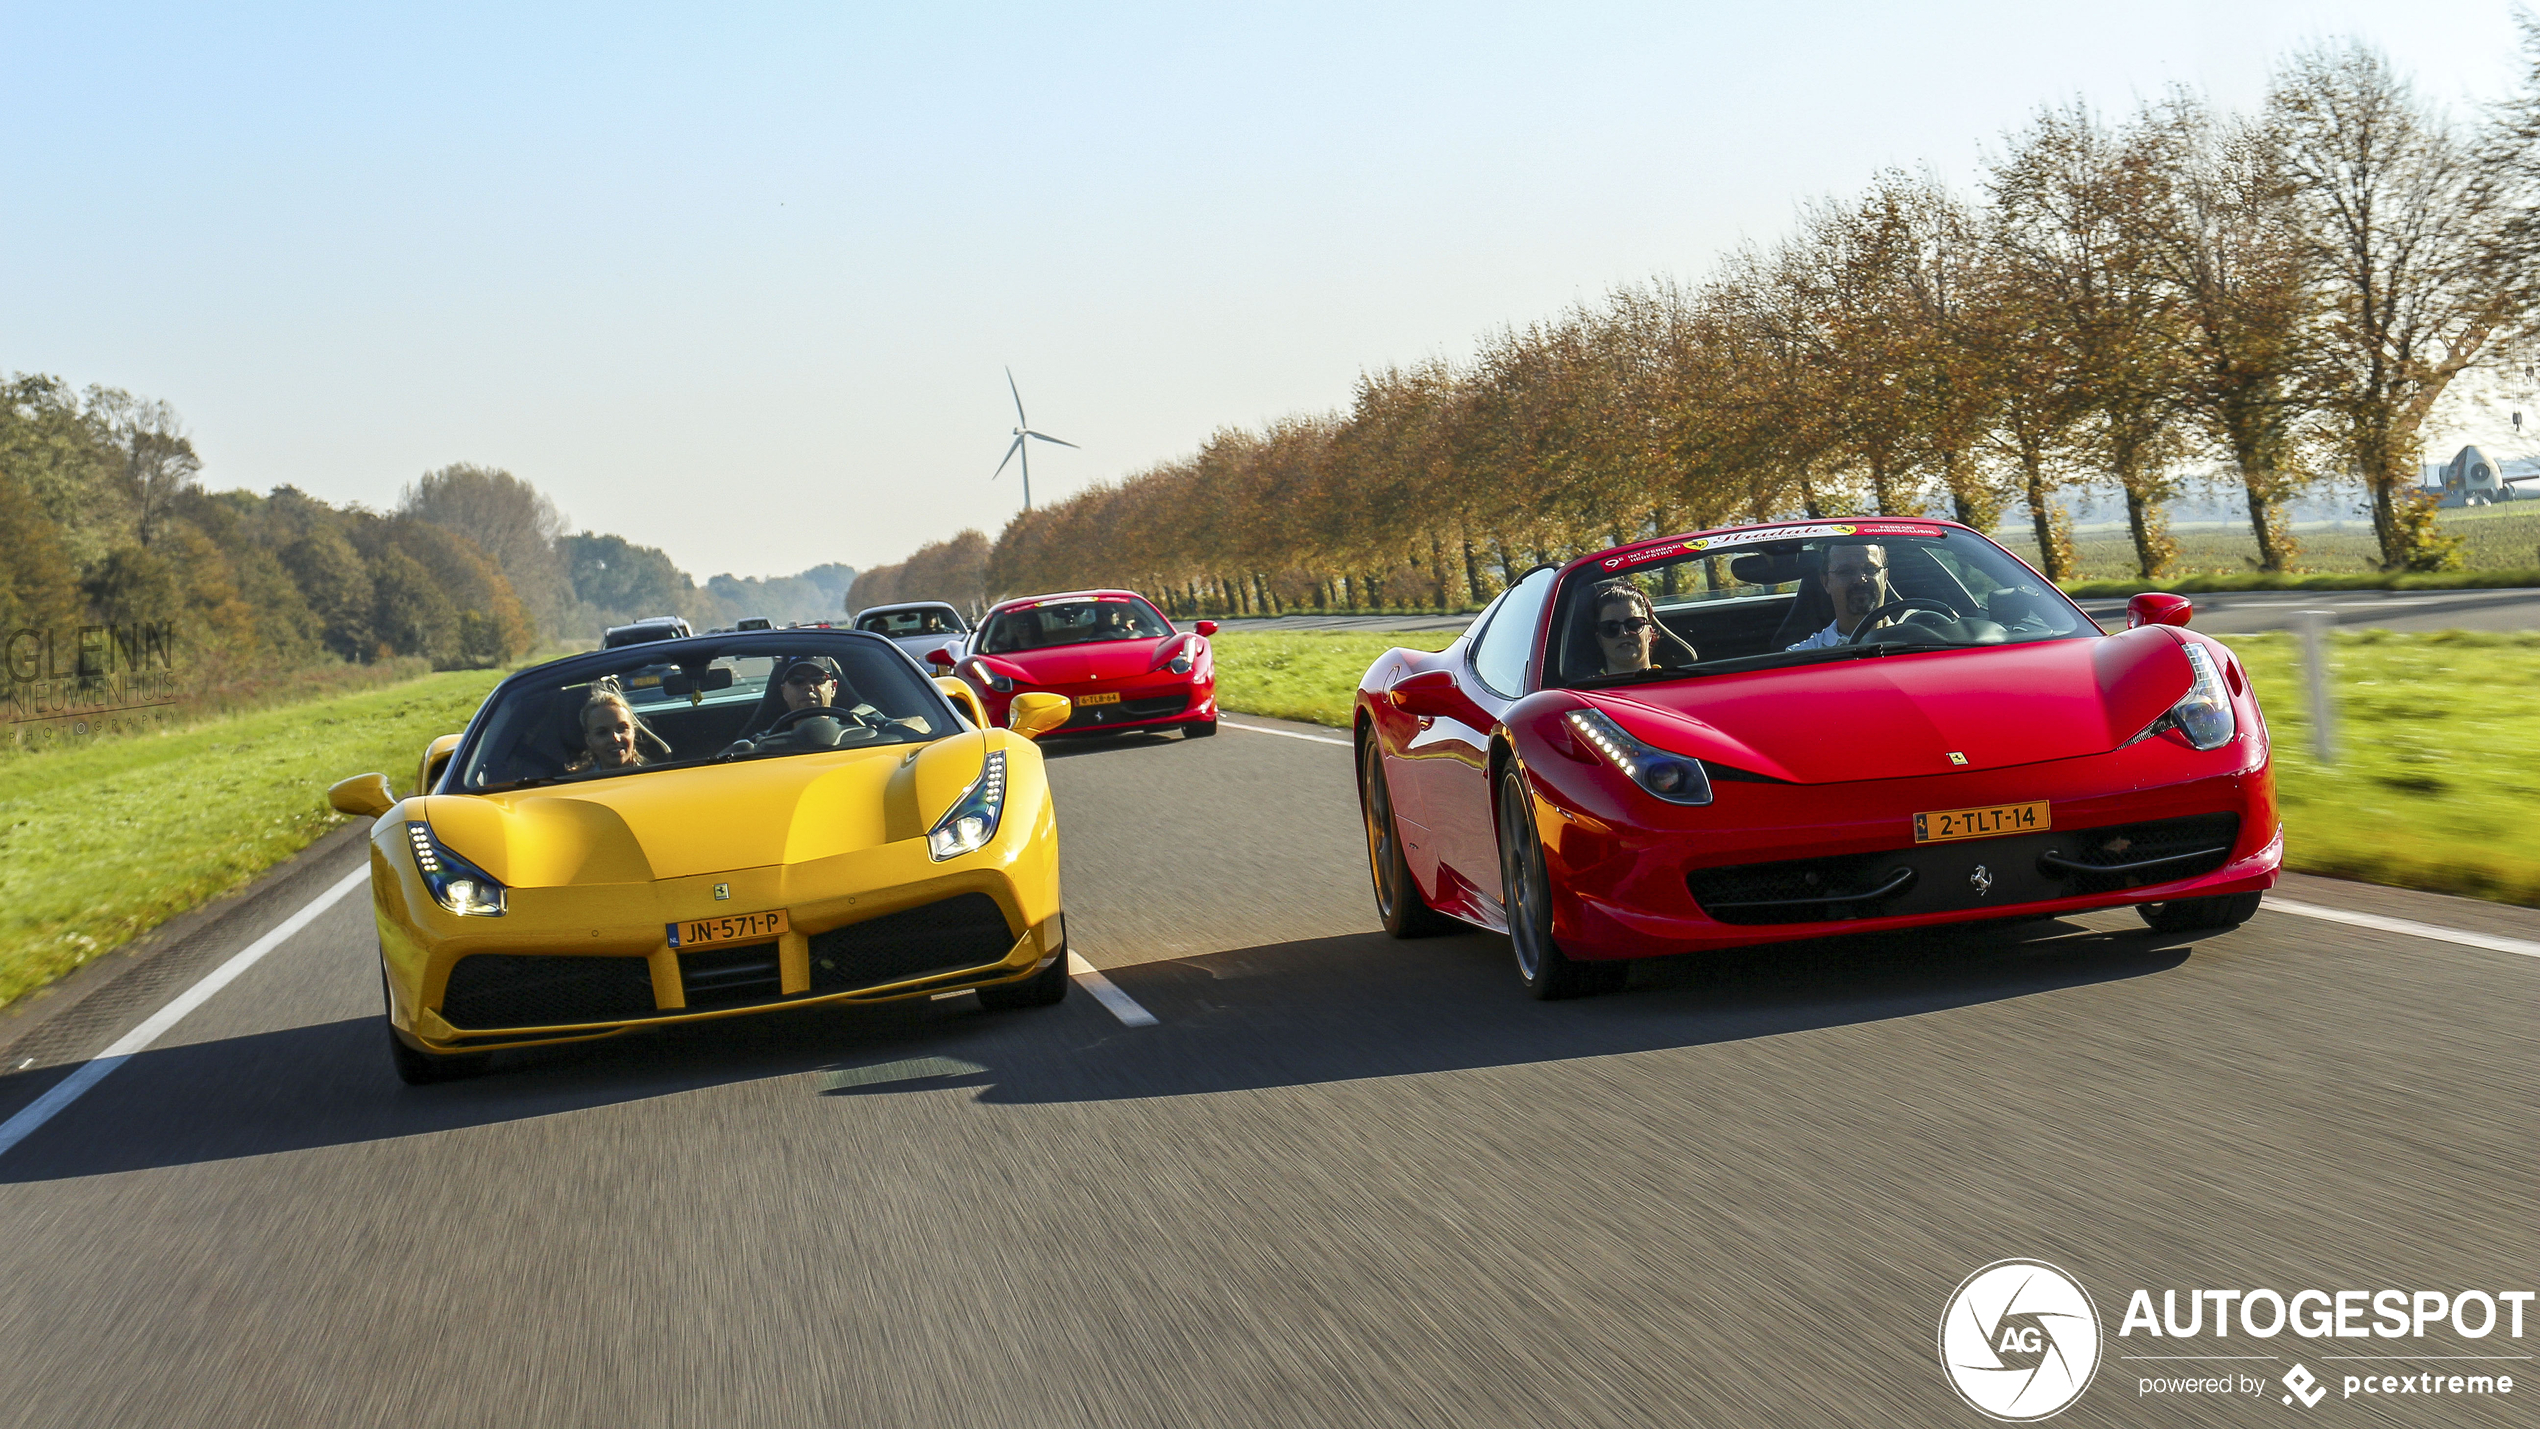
x,y
1627,628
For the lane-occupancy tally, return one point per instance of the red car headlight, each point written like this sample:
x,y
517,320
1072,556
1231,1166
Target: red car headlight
x,y
988,676
1672,777
2203,718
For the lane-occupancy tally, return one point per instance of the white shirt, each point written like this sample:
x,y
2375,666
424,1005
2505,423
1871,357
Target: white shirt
x,y
1823,639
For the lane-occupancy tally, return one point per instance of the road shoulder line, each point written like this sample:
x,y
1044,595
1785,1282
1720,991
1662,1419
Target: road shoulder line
x,y
2407,927
1284,733
152,1028
1119,1004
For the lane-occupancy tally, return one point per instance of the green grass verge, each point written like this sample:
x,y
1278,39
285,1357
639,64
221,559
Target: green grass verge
x,y
2433,786
103,842
2346,580
1305,675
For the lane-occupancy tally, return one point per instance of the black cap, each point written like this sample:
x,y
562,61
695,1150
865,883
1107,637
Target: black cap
x,y
821,666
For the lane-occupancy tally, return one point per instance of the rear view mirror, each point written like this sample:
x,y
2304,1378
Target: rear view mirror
x,y
1206,628
365,796
940,657
681,685
2155,607
1036,712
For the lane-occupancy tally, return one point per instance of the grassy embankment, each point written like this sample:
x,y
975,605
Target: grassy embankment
x,y
2435,785
104,841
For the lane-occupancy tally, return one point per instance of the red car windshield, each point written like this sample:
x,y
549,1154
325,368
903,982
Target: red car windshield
x,y
1070,622
1796,594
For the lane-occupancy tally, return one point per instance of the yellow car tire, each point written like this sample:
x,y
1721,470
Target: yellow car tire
x,y
422,1069
1046,988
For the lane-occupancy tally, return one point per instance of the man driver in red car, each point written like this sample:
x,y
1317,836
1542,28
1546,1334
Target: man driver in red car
x,y
1855,579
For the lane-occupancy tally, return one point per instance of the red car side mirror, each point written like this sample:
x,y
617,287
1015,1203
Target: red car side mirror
x,y
941,655
1428,694
1205,627
2155,607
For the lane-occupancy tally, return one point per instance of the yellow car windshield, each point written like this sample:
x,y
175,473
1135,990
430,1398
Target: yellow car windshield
x,y
676,704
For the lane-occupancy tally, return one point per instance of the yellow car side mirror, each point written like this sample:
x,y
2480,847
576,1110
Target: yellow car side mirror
x,y
364,795
1037,712
963,697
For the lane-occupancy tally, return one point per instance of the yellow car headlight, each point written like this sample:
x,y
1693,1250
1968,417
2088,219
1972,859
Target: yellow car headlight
x,y
456,884
972,820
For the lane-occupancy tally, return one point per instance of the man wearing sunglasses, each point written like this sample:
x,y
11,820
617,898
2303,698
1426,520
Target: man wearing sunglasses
x,y
810,682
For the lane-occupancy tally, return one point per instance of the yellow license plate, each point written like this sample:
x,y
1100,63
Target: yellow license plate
x,y
730,928
1980,823
1109,698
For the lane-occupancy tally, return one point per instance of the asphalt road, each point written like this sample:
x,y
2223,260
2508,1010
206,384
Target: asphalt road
x,y
1343,1180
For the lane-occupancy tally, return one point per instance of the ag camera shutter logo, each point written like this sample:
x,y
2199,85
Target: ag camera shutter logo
x,y
2019,1340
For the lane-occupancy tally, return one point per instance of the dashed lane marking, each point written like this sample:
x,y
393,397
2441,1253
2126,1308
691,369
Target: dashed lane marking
x,y
1119,1004
2407,927
131,1044
1284,733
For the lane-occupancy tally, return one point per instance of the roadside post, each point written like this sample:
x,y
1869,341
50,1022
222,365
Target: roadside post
x,y
2314,625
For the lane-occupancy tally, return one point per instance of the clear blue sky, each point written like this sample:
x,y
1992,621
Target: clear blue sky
x,y
740,281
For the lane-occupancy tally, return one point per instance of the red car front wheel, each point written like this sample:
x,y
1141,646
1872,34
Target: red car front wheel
x,y
1526,887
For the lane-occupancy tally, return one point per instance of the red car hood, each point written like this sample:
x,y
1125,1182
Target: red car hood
x,y
1898,716
1089,663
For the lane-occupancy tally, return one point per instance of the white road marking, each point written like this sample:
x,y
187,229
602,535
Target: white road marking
x,y
1118,1003
1284,733
124,1048
2407,927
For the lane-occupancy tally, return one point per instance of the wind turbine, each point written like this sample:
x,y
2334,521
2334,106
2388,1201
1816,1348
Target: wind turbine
x,y
1022,433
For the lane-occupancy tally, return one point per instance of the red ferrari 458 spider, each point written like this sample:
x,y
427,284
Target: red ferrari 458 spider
x,y
1114,656
1794,730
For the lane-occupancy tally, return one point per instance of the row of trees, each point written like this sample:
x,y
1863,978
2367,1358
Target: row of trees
x,y
104,520
2273,302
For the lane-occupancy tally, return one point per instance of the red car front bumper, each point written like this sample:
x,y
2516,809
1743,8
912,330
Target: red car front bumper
x,y
1140,704
1625,887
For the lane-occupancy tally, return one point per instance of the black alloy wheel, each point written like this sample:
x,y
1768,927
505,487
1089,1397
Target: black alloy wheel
x,y
2190,915
1547,972
423,1069
1046,988
1398,902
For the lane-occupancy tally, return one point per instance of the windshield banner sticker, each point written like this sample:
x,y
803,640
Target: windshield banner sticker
x,y
1769,533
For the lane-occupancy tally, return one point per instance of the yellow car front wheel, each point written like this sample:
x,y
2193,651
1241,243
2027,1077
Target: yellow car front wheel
x,y
422,1069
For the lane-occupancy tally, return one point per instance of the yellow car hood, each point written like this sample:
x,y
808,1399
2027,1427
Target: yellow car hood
x,y
678,823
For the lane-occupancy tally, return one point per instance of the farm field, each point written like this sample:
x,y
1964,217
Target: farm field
x,y
2499,538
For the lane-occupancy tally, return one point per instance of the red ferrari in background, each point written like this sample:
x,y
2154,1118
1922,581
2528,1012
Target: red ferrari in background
x,y
1114,656
1793,730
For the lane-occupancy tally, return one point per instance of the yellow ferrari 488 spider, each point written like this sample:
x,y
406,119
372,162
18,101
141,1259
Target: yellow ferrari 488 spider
x,y
710,827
